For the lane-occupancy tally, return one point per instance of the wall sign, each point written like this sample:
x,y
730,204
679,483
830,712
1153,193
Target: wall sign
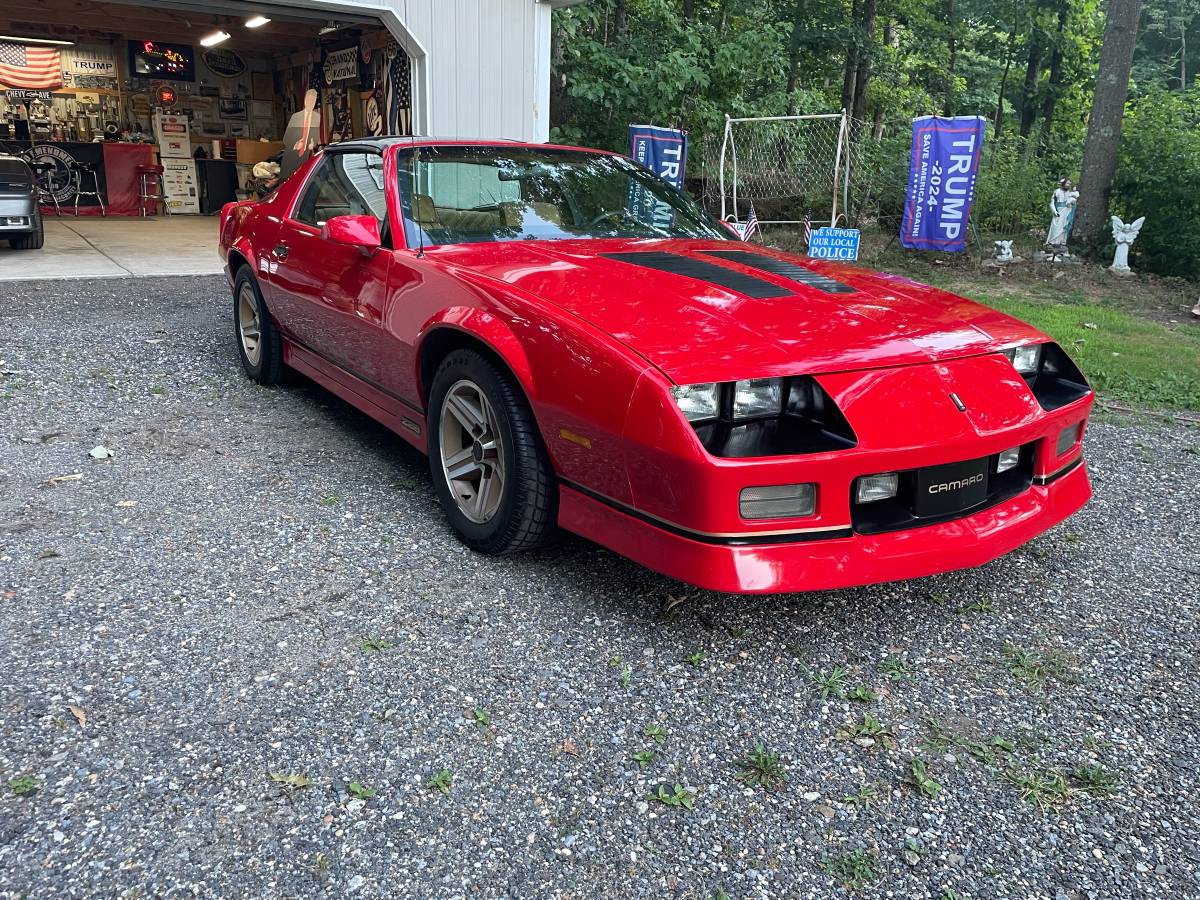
x,y
224,63
20,95
341,67
155,59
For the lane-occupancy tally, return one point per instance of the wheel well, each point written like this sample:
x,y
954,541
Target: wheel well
x,y
441,342
236,261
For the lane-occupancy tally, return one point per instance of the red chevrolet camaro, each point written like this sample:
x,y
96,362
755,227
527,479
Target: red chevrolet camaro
x,y
575,343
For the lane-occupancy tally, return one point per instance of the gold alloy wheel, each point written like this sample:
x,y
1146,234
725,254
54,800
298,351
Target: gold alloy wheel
x,y
472,455
249,326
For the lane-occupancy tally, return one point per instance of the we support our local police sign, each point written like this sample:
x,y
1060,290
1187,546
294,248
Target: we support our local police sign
x,y
941,182
834,243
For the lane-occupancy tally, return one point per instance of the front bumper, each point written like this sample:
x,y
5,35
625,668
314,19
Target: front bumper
x,y
819,562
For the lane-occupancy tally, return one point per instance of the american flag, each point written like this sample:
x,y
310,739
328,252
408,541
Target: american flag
x,y
751,225
807,229
35,68
397,93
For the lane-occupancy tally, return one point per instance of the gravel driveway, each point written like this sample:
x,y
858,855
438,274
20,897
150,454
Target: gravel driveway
x,y
244,656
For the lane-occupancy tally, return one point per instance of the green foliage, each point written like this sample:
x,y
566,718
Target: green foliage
x,y
681,796
1158,176
761,768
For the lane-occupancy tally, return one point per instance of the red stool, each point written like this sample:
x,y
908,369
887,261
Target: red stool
x,y
151,188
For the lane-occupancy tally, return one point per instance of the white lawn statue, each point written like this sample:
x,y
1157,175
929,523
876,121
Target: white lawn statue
x,y
1003,251
1124,235
1196,309
1062,208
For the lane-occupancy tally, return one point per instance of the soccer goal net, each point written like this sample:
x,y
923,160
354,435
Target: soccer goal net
x,y
787,167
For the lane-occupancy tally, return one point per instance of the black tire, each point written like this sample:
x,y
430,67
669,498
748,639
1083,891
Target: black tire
x,y
34,239
266,370
528,509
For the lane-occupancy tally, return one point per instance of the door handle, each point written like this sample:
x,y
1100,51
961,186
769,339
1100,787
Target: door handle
x,y
280,251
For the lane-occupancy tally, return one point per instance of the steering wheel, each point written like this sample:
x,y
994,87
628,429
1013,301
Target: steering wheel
x,y
610,214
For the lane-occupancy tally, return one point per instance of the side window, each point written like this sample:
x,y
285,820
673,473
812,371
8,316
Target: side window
x,y
345,184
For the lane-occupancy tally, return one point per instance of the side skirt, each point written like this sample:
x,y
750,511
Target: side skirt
x,y
380,406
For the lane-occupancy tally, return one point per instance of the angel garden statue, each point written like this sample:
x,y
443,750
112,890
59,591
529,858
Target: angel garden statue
x,y
1124,235
1062,208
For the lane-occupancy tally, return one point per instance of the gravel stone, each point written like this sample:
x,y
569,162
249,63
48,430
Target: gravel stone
x,y
202,597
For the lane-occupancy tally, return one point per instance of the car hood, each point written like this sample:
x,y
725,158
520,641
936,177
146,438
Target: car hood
x,y
696,330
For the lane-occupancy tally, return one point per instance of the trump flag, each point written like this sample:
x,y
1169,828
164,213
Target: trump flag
x,y
941,182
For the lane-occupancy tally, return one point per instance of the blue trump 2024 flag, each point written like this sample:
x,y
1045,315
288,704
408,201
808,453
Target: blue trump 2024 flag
x,y
661,150
941,182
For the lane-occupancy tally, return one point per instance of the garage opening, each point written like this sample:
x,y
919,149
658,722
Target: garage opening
x,y
156,107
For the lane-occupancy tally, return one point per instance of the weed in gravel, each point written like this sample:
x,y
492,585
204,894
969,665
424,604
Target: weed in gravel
x,y
23,785
1035,667
942,739
656,732
681,796
375,644
292,781
896,669
331,500
481,717
855,869
644,758
867,797
360,791
938,598
1044,788
695,660
979,605
1095,779
869,732
441,781
950,894
829,684
862,694
919,777
761,768
407,484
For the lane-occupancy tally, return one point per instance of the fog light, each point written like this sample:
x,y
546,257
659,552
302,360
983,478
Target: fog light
x,y
1008,460
876,487
1068,437
778,501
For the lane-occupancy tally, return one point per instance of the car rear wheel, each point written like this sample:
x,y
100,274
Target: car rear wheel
x,y
489,466
257,337
34,239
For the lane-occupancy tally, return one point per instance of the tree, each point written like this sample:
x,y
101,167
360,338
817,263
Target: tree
x,y
1104,125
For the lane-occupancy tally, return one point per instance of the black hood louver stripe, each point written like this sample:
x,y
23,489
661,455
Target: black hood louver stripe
x,y
782,267
702,271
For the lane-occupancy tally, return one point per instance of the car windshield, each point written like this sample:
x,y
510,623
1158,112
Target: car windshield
x,y
462,195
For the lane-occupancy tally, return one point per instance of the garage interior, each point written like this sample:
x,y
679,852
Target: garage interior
x,y
206,90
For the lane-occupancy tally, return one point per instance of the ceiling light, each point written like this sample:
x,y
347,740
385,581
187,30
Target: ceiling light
x,y
215,38
29,40
257,22
332,26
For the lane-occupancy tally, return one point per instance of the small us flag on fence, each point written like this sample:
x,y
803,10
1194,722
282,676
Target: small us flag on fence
x,y
33,68
807,230
751,225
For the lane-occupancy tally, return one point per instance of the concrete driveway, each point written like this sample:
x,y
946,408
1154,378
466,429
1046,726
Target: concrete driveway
x,y
117,248
243,656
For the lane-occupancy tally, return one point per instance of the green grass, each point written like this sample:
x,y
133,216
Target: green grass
x,y
1154,365
855,869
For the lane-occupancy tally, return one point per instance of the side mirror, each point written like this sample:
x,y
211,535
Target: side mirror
x,y
353,231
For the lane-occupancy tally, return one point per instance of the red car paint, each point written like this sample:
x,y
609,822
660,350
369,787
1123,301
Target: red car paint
x,y
596,345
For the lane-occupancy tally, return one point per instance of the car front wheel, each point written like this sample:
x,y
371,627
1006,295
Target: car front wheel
x,y
489,466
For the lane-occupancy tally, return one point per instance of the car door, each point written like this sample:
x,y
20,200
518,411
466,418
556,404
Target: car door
x,y
322,286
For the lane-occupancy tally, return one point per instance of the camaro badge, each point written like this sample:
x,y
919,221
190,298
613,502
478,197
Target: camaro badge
x,y
962,407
